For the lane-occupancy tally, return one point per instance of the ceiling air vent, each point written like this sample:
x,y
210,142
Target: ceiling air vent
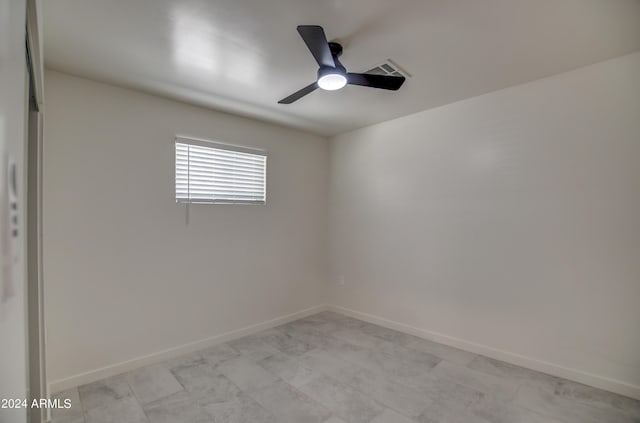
x,y
388,67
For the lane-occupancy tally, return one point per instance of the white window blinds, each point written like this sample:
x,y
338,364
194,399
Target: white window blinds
x,y
218,173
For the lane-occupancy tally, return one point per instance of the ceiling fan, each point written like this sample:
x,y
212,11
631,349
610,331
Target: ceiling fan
x,y
331,74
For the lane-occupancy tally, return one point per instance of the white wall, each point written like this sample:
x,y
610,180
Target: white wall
x,y
13,325
507,223
125,276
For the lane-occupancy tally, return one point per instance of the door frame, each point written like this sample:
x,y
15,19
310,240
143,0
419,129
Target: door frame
x,y
36,336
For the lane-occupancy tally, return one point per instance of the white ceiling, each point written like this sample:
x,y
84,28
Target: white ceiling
x,y
242,56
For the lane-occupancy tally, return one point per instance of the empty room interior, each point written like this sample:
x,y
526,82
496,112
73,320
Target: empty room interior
x,y
304,211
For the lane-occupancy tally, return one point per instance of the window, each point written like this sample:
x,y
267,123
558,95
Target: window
x,y
212,173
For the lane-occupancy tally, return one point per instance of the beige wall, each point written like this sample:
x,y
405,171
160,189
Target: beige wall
x,y
125,275
506,224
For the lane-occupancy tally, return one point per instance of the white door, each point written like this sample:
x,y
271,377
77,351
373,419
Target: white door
x,y
13,284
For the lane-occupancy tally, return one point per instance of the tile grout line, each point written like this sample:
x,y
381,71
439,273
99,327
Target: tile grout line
x,y
135,396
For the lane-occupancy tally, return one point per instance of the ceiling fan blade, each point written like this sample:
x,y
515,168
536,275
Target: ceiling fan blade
x,y
384,82
299,94
316,41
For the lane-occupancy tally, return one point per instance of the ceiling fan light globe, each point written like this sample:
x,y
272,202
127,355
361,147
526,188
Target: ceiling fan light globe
x,y
332,81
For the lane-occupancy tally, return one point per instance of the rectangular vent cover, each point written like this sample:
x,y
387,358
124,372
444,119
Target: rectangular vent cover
x,y
390,68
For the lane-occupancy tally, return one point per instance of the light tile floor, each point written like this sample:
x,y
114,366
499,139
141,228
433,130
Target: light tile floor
x,y
329,368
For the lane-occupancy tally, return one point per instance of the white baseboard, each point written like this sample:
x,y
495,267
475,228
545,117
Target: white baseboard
x,y
125,366
601,382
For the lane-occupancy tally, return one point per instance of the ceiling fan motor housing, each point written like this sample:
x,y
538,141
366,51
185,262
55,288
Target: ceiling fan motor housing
x,y
328,70
336,49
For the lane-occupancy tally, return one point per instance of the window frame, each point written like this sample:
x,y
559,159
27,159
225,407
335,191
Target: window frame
x,y
179,139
